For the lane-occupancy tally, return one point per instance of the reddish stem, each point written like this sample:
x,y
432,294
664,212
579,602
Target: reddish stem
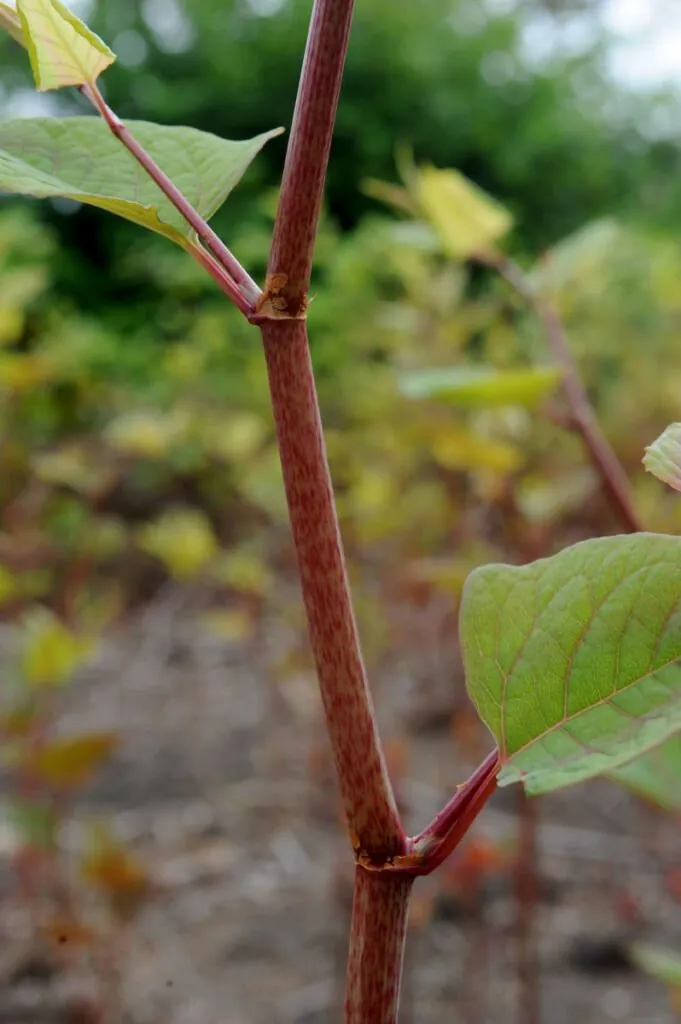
x,y
367,795
222,278
613,477
245,284
448,828
378,931
304,175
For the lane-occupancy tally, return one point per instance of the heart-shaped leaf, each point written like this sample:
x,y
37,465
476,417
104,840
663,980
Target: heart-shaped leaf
x,y
62,49
655,776
482,386
570,660
79,158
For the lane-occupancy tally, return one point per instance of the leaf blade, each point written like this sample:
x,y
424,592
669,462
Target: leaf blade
x,y
663,456
655,776
473,386
11,23
62,49
570,660
95,169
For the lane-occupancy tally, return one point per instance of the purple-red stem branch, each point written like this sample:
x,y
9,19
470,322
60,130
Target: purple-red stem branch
x,y
245,284
613,477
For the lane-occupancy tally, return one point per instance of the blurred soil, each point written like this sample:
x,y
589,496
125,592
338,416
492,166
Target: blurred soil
x,y
222,784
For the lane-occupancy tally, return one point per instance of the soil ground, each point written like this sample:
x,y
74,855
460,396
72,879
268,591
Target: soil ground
x,y
222,785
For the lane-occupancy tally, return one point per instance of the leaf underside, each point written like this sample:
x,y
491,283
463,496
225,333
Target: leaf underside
x,y
570,660
656,776
79,158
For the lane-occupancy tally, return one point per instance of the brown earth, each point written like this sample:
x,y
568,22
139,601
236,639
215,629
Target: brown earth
x,y
222,785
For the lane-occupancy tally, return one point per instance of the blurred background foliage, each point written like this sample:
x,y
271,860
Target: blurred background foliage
x,y
135,399
136,438
135,416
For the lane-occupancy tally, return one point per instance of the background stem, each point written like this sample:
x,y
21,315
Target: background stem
x,y
377,936
613,477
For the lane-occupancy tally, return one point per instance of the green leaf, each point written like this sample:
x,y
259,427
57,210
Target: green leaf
x,y
663,964
663,457
570,660
482,386
80,159
655,776
62,49
10,22
36,823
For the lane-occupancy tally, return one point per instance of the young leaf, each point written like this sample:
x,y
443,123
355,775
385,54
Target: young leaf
x,y
63,50
182,539
70,762
80,159
663,964
482,386
663,457
51,651
655,776
11,23
570,660
467,220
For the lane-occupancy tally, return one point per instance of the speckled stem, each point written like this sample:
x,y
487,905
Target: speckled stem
x,y
302,184
367,795
378,932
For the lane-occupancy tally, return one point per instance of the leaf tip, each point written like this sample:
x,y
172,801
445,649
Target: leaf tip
x,y
663,457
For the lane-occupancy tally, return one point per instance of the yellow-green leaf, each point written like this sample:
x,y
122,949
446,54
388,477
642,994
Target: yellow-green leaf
x,y
62,49
245,571
8,585
182,539
11,23
467,220
482,386
72,761
51,651
459,449
663,964
393,195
